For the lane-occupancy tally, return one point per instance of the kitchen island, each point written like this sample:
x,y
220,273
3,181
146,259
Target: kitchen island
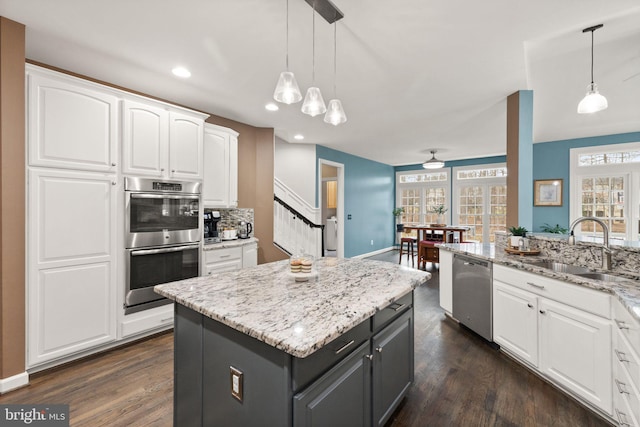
x,y
256,347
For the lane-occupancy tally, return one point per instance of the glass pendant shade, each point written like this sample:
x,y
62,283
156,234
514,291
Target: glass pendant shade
x,y
593,101
287,90
313,102
335,113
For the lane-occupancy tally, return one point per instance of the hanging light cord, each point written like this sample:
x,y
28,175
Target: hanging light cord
x,y
287,56
313,43
592,31
335,58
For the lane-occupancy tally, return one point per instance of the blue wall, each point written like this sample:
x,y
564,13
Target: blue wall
x,y
551,160
369,197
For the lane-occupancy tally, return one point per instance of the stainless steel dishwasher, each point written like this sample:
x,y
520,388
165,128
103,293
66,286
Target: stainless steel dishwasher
x,y
472,294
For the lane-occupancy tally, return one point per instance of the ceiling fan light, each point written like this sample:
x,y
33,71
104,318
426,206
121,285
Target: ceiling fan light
x,y
433,163
313,102
593,101
335,113
287,90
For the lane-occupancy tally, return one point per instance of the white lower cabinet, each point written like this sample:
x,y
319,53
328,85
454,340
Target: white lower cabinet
x,y
157,318
446,281
566,344
250,255
626,367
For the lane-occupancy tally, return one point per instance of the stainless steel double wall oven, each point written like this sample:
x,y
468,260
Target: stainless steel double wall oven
x,y
162,237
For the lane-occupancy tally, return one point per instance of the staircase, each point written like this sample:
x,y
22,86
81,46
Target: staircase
x,y
296,224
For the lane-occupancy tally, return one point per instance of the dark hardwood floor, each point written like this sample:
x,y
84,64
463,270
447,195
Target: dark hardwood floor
x,y
460,380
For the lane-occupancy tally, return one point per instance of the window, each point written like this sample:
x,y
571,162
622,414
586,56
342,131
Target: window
x,y
419,192
606,184
481,200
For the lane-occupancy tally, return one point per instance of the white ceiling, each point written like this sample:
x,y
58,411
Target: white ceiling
x,y
413,75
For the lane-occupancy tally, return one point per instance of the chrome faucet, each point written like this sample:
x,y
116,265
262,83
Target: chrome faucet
x,y
606,251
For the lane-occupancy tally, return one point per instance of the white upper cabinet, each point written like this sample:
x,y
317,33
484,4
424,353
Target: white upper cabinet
x,y
145,138
220,186
72,123
160,142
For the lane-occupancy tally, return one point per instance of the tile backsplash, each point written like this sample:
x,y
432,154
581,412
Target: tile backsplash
x,y
231,218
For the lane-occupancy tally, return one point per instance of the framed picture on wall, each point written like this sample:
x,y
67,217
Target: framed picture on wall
x,y
547,192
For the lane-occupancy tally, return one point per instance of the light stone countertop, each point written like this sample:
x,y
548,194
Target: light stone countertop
x,y
628,292
228,244
265,302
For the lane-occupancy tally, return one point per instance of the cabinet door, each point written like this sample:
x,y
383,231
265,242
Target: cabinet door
x,y
575,351
233,171
71,276
215,191
145,139
71,124
392,366
250,255
185,146
515,321
341,397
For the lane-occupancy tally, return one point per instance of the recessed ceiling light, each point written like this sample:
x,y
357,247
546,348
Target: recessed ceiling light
x,y
181,72
271,107
299,137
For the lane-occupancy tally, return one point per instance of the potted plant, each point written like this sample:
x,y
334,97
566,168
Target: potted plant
x,y
440,210
516,234
557,229
397,212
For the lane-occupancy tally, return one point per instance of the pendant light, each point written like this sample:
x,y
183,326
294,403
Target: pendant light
x,y
287,90
433,163
335,113
593,101
313,103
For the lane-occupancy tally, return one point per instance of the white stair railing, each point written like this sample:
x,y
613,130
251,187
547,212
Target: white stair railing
x,y
296,226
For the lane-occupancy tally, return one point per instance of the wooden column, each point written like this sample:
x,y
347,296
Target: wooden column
x,y
520,159
12,204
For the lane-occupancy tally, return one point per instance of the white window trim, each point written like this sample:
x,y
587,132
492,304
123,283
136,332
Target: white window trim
x,y
429,184
457,183
630,171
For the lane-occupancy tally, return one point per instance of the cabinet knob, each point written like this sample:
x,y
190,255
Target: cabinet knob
x,y
173,171
113,183
113,164
369,356
542,312
529,305
379,349
161,169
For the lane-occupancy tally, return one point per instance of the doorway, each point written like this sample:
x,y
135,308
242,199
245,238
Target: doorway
x,y
331,203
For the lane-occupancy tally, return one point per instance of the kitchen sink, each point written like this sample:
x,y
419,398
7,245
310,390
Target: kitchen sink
x,y
602,276
561,268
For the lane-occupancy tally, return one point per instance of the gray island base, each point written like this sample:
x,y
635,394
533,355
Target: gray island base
x,y
256,348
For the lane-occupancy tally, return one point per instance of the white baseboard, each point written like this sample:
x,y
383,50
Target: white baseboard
x,y
14,382
379,251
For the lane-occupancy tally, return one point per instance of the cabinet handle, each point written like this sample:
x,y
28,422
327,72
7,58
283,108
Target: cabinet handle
x,y
173,171
344,347
621,387
113,164
166,319
542,311
396,306
161,169
620,416
529,305
621,324
535,285
621,355
379,349
209,273
369,356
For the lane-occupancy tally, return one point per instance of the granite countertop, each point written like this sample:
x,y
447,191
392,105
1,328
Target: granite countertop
x,y
628,292
265,302
228,244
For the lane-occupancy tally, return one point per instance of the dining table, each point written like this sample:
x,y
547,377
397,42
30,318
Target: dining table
x,y
433,234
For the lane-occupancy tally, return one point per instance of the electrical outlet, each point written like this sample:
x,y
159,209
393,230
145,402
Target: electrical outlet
x,y
236,383
371,242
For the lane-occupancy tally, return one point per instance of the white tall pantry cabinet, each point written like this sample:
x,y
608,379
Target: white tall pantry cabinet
x,y
71,251
76,132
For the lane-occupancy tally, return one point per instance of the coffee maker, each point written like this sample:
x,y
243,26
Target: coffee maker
x,y
211,220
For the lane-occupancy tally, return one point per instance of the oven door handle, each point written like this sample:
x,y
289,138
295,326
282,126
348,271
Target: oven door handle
x,y
162,250
164,196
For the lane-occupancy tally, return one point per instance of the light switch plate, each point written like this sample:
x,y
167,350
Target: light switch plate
x,y
236,383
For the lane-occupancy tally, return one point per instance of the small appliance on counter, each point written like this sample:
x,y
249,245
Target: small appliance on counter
x,y
244,230
211,234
